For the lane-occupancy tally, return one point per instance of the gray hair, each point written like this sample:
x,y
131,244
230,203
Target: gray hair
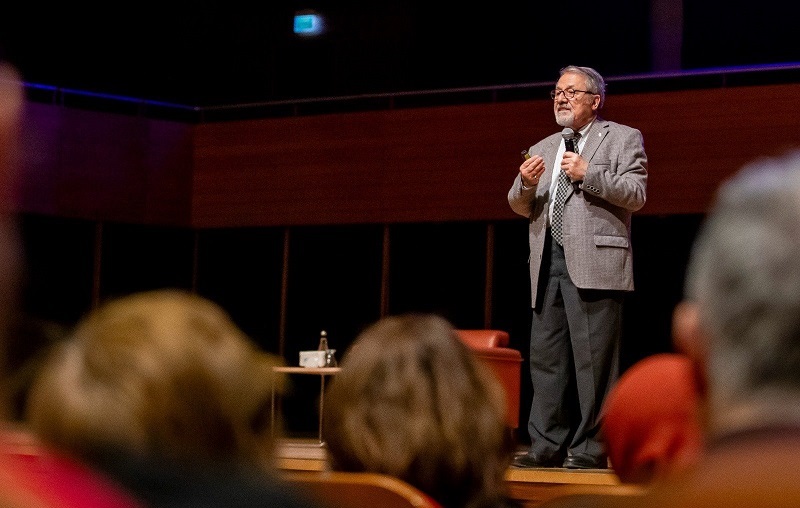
x,y
594,81
744,275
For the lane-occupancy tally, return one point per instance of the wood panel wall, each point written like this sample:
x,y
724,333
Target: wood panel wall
x,y
102,166
452,163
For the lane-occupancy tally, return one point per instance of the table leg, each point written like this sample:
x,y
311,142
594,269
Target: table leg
x,y
272,408
321,405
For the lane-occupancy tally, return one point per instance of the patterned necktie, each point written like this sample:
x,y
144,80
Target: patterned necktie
x,y
562,189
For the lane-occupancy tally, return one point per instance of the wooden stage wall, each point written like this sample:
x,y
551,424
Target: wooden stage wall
x,y
450,163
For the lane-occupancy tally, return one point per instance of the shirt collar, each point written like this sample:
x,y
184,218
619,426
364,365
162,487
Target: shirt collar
x,y
586,128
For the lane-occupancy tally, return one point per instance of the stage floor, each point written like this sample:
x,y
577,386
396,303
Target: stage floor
x,y
531,487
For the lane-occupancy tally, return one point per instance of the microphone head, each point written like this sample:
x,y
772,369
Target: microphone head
x,y
567,133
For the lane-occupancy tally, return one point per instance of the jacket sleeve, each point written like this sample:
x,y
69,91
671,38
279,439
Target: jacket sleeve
x,y
619,175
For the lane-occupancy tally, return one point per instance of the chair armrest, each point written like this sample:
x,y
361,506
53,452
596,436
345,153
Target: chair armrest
x,y
484,338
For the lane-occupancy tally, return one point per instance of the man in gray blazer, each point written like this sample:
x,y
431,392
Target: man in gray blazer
x,y
581,265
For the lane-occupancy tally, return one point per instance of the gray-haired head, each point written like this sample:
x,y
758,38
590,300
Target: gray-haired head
x,y
594,81
744,277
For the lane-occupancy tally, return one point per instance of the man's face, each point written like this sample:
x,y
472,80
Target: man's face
x,y
579,110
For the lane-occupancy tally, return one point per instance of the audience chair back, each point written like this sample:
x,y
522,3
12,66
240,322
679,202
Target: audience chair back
x,y
491,348
358,490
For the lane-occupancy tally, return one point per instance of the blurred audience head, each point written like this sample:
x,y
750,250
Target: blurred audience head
x,y
31,476
162,373
740,323
411,401
11,259
652,420
741,315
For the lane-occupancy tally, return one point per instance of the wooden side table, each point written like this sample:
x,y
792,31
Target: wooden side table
x,y
322,372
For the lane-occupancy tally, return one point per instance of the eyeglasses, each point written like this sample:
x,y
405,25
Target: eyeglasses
x,y
569,93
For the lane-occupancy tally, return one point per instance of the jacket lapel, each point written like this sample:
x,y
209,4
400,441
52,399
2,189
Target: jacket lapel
x,y
594,137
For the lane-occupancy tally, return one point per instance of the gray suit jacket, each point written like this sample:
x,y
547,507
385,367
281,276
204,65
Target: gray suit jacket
x,y
597,220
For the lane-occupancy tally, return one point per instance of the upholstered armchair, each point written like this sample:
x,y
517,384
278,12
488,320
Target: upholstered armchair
x,y
491,348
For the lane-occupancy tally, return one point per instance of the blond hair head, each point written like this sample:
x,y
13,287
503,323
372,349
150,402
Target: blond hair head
x,y
162,373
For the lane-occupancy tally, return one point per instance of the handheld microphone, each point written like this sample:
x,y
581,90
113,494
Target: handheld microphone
x,y
569,139
571,145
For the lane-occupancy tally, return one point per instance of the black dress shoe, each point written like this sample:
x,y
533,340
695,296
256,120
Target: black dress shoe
x,y
526,460
585,462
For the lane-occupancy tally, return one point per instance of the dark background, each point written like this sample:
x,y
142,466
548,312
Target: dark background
x,y
217,53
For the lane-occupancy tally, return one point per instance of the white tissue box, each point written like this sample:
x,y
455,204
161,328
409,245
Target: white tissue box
x,y
312,358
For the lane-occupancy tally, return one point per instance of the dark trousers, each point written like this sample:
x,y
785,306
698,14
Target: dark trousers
x,y
574,360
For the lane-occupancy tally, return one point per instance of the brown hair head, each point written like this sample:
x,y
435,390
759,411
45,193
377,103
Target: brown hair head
x,y
412,401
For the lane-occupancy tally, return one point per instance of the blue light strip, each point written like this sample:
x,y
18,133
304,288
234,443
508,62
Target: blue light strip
x,y
114,97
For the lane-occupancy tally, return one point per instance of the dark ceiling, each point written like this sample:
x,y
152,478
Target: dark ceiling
x,y
219,53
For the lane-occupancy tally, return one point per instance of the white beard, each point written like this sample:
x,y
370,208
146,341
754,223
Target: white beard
x,y
565,118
